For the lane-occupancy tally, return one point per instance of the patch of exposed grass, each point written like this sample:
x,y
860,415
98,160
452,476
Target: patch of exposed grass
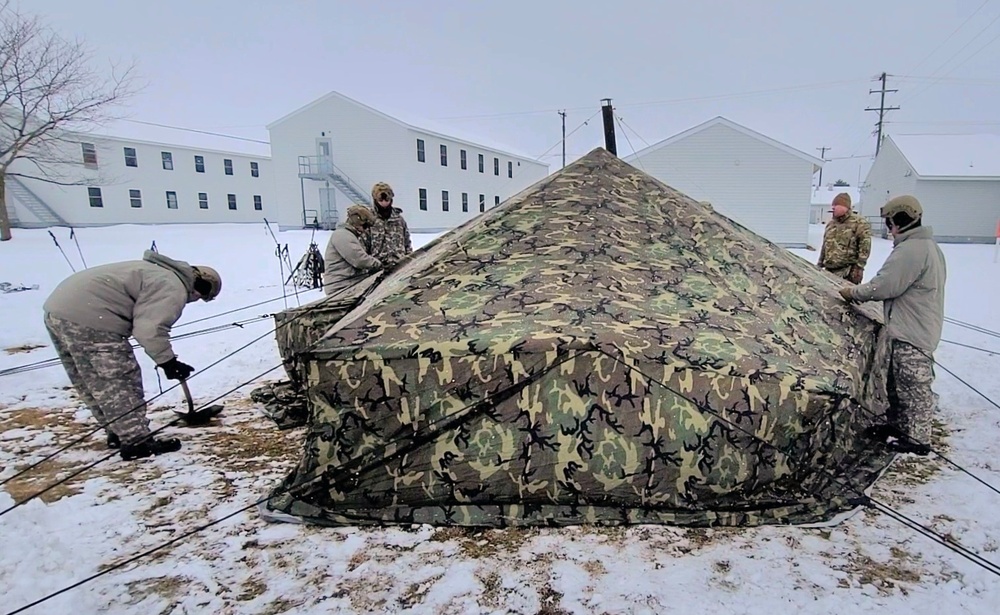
x,y
42,477
478,543
492,590
901,570
165,587
416,592
549,600
250,589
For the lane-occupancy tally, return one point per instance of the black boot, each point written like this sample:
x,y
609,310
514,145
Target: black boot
x,y
884,433
113,441
906,445
149,448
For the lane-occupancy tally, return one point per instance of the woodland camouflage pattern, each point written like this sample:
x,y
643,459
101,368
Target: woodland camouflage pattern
x,y
598,349
390,238
846,243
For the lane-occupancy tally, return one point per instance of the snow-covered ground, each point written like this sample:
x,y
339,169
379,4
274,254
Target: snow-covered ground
x,y
244,565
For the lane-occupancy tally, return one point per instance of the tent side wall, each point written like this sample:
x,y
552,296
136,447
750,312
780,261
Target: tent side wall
x,y
571,436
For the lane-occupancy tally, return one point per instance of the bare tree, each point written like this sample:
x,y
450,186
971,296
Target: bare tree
x,y
48,90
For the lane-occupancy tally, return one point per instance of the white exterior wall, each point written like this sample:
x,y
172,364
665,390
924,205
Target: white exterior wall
x,y
435,178
369,146
960,210
363,145
748,180
115,179
890,175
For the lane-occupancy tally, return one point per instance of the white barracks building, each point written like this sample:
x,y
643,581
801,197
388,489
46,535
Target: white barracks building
x,y
321,159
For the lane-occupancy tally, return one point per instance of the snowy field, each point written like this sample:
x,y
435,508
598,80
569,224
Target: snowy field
x,y
869,563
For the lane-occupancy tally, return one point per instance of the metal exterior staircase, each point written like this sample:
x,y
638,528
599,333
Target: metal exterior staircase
x,y
322,168
30,201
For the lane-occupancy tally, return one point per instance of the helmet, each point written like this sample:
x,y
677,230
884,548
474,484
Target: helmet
x,y
207,282
359,216
906,204
379,188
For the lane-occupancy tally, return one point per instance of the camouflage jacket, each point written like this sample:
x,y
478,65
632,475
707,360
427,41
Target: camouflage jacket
x,y
390,239
846,243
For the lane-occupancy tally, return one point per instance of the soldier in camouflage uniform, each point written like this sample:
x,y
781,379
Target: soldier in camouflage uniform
x,y
390,236
847,242
347,261
911,286
90,317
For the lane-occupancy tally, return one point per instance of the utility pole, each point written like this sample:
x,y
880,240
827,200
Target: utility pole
x,y
822,156
881,112
563,114
609,126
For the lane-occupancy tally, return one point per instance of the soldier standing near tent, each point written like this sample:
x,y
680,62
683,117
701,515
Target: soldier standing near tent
x,y
847,242
911,286
90,317
390,236
346,258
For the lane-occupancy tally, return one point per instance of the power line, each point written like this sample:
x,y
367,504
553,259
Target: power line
x,y
955,55
585,122
948,38
204,132
670,101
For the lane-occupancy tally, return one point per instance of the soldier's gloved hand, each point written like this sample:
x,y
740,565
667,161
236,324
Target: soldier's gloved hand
x,y
175,370
856,275
846,294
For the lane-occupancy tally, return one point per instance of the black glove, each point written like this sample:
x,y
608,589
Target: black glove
x,y
175,370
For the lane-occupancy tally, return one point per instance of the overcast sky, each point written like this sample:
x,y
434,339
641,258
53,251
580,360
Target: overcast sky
x,y
235,65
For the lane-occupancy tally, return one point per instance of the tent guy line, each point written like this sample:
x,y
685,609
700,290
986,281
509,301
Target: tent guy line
x,y
65,448
470,411
413,443
865,499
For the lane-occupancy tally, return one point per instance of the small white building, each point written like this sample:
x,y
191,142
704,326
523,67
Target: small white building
x,y
822,201
955,177
120,180
752,179
328,154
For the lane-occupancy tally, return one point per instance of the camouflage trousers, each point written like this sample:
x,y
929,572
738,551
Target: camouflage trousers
x,y
103,370
911,401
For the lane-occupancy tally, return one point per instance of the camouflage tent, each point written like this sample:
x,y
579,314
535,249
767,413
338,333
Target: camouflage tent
x,y
598,349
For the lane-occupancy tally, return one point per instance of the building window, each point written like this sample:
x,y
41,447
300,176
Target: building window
x,y
171,200
202,200
257,204
444,155
496,200
95,197
199,164
232,201
228,165
135,198
89,155
254,169
168,161
131,160
463,159
481,162
510,169
482,202
423,199
444,200
465,201
496,167
420,150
